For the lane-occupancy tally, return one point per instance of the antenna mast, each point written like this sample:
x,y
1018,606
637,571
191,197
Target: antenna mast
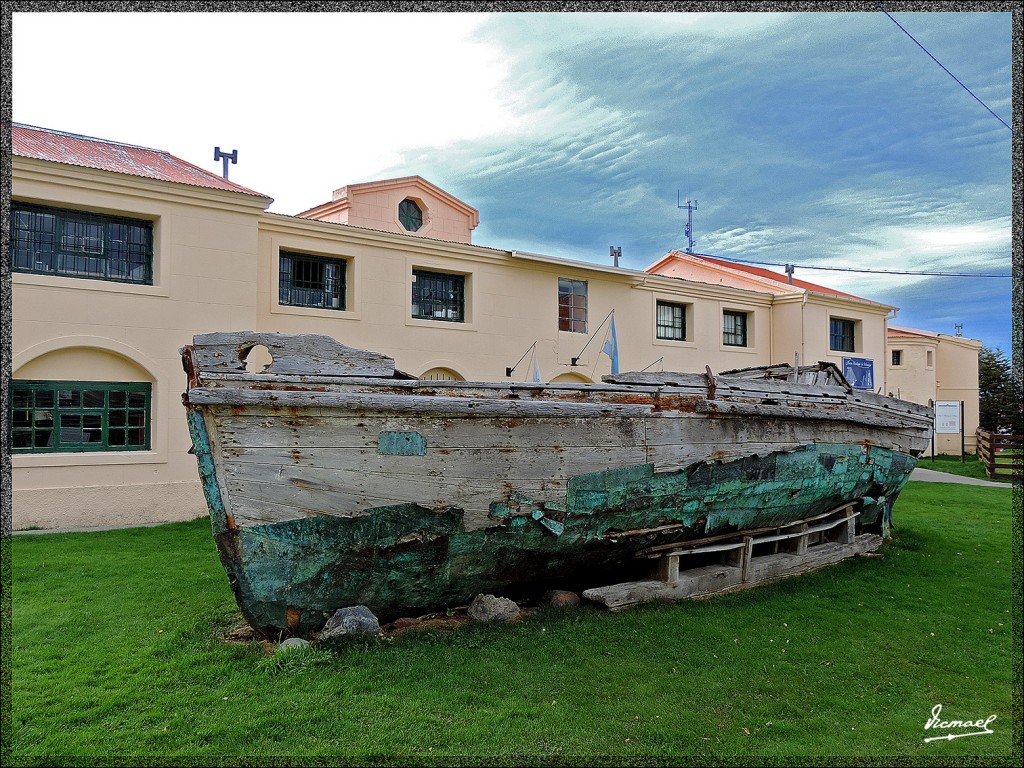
x,y
690,207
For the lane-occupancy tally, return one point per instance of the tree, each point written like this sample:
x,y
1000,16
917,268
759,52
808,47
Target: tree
x,y
999,405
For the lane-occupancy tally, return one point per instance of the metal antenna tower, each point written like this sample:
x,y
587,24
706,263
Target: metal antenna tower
x,y
227,157
690,207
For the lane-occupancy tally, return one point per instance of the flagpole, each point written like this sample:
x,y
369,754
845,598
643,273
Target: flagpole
x,y
575,360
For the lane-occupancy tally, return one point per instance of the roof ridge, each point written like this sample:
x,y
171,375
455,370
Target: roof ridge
x,y
88,138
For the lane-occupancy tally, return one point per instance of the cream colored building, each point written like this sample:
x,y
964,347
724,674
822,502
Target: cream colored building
x,y
120,254
924,367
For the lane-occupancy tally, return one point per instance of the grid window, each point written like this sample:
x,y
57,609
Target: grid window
x,y
410,215
438,296
734,329
840,335
55,416
671,322
53,241
897,357
311,281
572,305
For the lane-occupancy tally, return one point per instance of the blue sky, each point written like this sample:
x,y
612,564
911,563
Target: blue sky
x,y
807,138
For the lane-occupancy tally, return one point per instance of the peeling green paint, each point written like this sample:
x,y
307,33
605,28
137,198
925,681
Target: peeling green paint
x,y
207,471
408,557
401,444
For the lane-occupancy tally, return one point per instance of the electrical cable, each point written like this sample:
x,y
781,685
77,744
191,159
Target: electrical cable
x,y
997,117
854,269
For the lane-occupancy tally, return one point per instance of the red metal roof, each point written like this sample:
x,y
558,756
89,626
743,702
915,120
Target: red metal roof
x,y
776,276
85,151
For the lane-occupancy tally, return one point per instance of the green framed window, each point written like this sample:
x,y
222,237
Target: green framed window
x,y
74,416
54,241
734,328
572,305
671,321
438,296
311,281
410,214
840,335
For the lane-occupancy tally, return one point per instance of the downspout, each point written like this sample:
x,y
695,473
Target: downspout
x,y
885,350
803,331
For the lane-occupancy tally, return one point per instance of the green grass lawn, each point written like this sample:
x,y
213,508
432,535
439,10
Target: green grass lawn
x,y
971,466
117,651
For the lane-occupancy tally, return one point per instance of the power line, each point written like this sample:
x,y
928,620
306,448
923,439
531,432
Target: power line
x,y
997,117
854,269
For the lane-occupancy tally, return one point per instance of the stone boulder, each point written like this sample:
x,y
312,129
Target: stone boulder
x,y
561,598
356,620
291,644
491,608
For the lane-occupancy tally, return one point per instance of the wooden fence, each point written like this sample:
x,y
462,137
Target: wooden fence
x,y
1001,454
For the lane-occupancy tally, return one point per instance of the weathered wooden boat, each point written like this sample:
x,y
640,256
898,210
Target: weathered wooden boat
x,y
333,479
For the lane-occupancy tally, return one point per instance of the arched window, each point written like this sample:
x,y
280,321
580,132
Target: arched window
x,y
442,374
79,400
571,378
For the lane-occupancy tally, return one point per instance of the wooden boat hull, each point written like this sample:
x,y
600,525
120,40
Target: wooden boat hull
x,y
408,496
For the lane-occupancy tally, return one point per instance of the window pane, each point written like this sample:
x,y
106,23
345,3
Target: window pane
x,y
69,398
93,399
311,281
80,410
118,399
734,329
438,296
80,244
572,305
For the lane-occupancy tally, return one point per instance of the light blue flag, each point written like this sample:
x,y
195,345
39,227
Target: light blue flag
x,y
535,376
611,347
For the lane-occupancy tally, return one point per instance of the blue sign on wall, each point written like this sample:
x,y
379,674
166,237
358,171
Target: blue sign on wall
x,y
860,372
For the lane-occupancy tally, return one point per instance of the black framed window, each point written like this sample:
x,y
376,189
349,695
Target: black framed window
x,y
671,321
438,296
572,305
734,328
65,416
840,335
897,357
54,241
410,214
311,281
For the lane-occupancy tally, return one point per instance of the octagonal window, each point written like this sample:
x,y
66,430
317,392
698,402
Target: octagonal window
x,y
410,214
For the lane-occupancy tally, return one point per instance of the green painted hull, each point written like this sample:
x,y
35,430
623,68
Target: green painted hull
x,y
407,559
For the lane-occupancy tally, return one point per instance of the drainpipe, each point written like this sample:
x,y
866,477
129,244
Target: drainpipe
x,y
885,351
803,332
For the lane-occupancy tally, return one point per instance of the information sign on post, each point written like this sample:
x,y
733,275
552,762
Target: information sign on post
x,y
947,417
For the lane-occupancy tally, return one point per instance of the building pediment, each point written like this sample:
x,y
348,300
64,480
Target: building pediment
x,y
408,205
